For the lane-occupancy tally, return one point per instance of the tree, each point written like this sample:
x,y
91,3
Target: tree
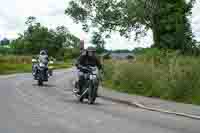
x,y
122,51
174,25
37,37
167,19
98,41
5,42
30,20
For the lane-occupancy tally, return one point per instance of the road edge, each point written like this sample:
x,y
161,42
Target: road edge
x,y
141,106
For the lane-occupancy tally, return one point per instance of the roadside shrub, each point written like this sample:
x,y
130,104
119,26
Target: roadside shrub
x,y
184,80
6,51
163,74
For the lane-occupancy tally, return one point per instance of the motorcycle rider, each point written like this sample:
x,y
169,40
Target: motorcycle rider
x,y
87,58
43,59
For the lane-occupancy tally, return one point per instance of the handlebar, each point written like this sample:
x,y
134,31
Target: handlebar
x,y
84,68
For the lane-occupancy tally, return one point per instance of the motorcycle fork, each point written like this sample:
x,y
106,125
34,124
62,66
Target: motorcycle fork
x,y
85,88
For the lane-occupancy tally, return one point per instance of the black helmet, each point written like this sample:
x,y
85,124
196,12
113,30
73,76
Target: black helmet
x,y
43,52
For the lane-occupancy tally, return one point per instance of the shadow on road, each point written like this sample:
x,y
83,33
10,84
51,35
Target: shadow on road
x,y
44,85
75,101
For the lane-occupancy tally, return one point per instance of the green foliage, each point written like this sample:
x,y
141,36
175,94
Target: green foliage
x,y
168,19
15,59
121,51
4,42
98,41
175,28
37,37
71,53
106,56
164,74
107,15
11,64
5,51
14,68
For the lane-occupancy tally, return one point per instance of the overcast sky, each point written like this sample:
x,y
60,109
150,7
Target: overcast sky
x,y
13,14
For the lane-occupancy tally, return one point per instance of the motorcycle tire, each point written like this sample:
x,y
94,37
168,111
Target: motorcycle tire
x,y
40,82
50,73
81,99
92,94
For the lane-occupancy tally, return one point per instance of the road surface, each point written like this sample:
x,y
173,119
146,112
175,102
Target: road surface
x,y
27,108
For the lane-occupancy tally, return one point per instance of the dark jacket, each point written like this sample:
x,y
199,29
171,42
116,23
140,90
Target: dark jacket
x,y
86,60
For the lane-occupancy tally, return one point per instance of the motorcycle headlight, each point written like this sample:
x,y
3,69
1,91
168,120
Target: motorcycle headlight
x,y
86,76
93,77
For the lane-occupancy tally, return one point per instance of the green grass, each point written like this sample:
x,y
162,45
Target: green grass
x,y
64,65
7,68
163,75
22,64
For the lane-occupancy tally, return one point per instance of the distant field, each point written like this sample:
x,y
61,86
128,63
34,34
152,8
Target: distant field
x,y
21,64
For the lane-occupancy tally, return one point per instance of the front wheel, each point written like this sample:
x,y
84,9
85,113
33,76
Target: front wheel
x,y
92,93
50,72
81,99
34,70
40,82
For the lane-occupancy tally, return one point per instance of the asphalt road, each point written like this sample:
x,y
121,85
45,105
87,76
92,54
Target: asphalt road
x,y
27,108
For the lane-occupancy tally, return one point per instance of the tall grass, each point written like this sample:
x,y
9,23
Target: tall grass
x,y
166,75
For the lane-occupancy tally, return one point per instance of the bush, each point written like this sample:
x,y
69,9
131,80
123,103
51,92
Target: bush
x,y
71,53
184,80
6,51
163,74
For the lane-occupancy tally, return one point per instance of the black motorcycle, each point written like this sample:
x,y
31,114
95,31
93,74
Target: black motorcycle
x,y
90,84
40,72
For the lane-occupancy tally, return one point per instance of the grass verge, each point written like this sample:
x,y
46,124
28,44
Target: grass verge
x,y
167,76
22,64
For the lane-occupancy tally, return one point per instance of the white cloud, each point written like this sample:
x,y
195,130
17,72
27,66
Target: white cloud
x,y
13,14
196,20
